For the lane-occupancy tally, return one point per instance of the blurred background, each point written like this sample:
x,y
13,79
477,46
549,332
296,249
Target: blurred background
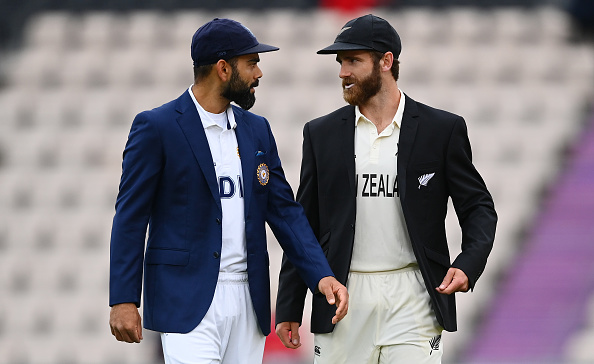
x,y
73,73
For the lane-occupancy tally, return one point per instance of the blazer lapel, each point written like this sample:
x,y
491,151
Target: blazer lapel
x,y
406,140
245,143
347,135
191,125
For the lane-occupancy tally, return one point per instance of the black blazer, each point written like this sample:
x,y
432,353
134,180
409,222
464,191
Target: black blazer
x,y
431,141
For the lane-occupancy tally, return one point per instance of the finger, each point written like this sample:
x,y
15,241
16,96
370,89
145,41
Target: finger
x,y
340,315
295,337
131,335
459,284
283,331
451,288
446,280
283,335
330,295
139,328
117,335
127,333
342,303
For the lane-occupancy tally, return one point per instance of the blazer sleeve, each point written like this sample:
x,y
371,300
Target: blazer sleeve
x,y
141,170
291,227
292,290
473,205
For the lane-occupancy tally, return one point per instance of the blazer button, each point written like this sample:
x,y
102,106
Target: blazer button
x,y
215,255
218,221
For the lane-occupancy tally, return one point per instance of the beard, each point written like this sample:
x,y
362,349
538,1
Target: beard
x,y
363,90
238,91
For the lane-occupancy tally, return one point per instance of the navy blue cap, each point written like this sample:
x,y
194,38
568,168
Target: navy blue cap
x,y
368,32
224,39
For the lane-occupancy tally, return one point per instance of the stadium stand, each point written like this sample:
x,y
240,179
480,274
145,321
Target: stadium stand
x,y
541,311
71,90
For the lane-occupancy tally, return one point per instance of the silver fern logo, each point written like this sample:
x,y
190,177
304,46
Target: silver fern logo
x,y
435,343
424,179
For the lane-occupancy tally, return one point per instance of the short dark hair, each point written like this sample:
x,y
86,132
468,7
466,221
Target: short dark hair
x,y
201,72
395,65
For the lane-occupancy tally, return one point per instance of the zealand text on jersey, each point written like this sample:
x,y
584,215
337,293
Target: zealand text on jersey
x,y
377,185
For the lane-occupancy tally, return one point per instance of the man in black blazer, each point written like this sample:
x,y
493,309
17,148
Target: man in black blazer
x,y
375,181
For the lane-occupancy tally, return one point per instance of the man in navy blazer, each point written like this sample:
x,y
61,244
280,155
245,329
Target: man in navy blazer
x,y
205,177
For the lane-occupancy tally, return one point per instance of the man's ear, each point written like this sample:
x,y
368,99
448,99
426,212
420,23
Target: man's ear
x,y
223,69
386,61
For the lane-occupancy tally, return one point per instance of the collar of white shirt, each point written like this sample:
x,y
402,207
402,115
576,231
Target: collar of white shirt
x,y
397,117
207,122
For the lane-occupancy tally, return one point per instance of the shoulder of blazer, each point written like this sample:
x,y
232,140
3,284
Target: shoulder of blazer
x,y
344,113
427,113
251,118
163,113
182,103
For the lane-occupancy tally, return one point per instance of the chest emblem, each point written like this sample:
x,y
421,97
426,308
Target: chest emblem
x,y
424,179
263,174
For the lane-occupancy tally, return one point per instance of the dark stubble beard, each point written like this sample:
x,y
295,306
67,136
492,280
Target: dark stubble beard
x,y
238,91
364,89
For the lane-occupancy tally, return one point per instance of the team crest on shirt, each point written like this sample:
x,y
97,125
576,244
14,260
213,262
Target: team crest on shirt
x,y
263,174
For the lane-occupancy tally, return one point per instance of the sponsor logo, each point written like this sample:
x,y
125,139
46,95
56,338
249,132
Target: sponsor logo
x,y
434,343
317,350
344,29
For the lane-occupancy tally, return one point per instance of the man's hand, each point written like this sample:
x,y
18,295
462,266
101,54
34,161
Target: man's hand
x,y
288,333
454,281
125,323
336,294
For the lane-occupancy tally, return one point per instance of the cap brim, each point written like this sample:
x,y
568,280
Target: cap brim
x,y
260,48
336,47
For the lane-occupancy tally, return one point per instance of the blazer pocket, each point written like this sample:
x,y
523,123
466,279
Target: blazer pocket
x,y
261,158
438,258
427,166
325,242
167,256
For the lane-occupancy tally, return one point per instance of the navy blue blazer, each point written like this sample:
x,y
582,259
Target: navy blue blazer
x,y
169,183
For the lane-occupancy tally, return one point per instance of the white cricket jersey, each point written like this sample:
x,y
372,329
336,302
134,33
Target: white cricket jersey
x,y
220,133
381,238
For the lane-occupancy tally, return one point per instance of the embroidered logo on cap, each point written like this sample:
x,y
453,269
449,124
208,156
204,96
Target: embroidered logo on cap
x,y
343,29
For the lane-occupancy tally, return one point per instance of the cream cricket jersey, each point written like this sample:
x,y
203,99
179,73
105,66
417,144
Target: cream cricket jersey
x,y
381,239
220,133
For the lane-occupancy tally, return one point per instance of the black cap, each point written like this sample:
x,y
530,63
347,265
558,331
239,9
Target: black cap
x,y
224,39
368,32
